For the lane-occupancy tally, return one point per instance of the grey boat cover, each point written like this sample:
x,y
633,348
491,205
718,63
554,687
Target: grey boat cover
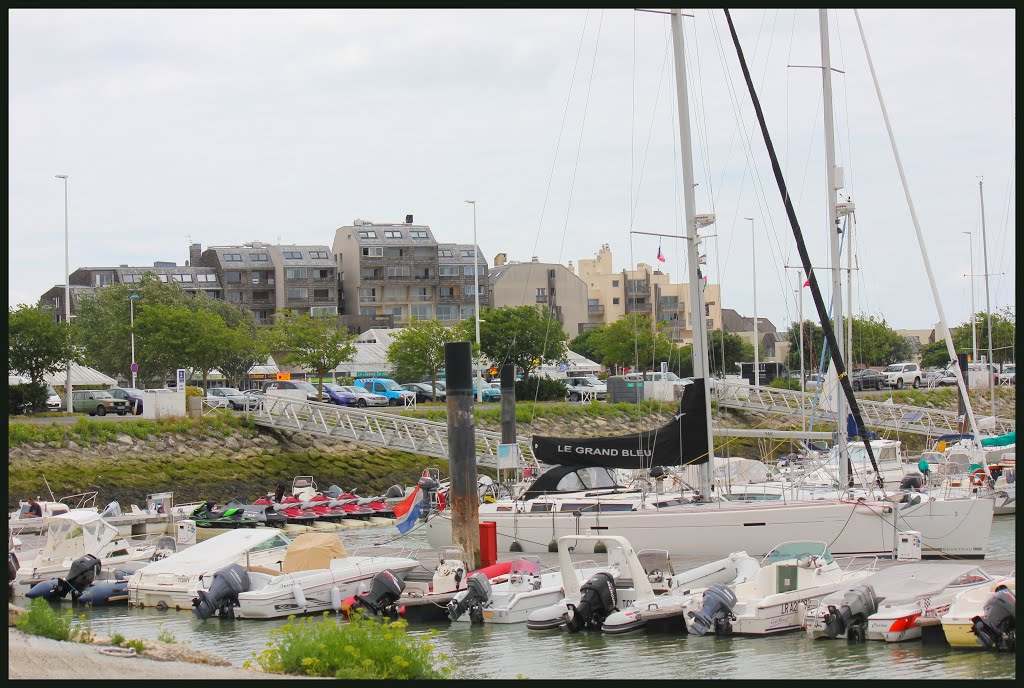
x,y
905,582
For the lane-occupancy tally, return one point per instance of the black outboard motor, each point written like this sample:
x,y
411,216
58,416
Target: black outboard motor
x,y
222,597
719,600
911,481
851,617
478,592
80,576
995,628
385,589
394,492
428,486
597,601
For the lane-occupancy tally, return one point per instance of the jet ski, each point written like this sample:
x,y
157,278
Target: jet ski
x,y
206,515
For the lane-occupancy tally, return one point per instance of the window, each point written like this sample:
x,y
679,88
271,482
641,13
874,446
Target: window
x,y
615,301
231,277
319,255
298,293
422,273
213,294
317,311
480,288
232,257
367,234
104,280
420,294
258,257
321,294
393,310
295,273
417,234
420,311
371,273
367,310
261,297
448,271
444,253
373,251
446,292
131,279
323,274
447,312
206,277
393,253
262,277
392,234
262,314
466,253
162,278
615,284
470,270
466,312
293,255
182,278
397,272
394,293
367,294
542,293
234,296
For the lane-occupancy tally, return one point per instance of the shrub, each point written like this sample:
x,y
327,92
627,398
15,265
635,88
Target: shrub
x,y
191,391
780,383
540,388
359,649
165,636
136,645
26,397
41,619
117,639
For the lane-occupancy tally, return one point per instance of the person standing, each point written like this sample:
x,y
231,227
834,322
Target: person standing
x,y
279,492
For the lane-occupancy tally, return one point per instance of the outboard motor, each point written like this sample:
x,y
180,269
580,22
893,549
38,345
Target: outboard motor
x,y
80,576
112,509
719,600
334,492
851,617
385,589
477,594
428,486
911,481
394,492
995,628
597,601
222,597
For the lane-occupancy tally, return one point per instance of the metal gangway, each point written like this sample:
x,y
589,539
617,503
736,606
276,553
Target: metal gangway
x,y
876,414
377,428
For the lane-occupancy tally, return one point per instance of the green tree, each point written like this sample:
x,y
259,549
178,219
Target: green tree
x,y
36,344
418,350
934,355
585,343
525,336
249,346
315,344
875,343
1004,335
172,337
633,341
737,351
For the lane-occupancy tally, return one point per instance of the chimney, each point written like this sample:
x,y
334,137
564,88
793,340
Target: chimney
x,y
408,219
195,251
571,268
500,259
534,259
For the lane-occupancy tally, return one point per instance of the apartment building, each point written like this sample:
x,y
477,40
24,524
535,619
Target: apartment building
x,y
54,298
264,278
400,270
645,290
534,283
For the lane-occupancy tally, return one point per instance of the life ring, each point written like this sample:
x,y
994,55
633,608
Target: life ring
x,y
978,476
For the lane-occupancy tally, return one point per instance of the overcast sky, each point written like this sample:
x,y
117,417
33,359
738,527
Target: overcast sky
x,y
228,126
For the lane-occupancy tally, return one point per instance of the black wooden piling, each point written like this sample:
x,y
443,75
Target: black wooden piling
x,y
462,450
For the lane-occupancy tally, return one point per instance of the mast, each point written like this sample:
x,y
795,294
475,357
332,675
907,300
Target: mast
x,y
988,308
698,327
833,237
849,289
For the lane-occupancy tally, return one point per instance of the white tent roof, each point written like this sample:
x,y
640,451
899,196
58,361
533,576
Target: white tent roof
x,y
80,375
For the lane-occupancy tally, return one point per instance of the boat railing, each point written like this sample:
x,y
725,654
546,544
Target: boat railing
x,y
861,562
393,550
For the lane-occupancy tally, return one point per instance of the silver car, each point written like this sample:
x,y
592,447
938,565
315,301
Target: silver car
x,y
365,398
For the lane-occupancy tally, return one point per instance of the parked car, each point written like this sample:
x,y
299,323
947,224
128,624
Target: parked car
x,y
53,400
97,402
487,393
423,391
900,375
946,378
312,394
1008,376
868,378
365,398
336,394
386,387
131,395
580,387
228,397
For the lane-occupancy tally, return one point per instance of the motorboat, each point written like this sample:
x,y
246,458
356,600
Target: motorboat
x,y
84,583
171,583
317,574
793,576
587,602
427,601
983,617
893,604
665,612
72,535
506,599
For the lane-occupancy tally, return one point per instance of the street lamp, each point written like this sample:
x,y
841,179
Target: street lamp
x,y
476,299
757,368
131,307
67,288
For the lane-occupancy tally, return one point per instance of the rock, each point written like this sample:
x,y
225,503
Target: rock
x,y
124,439
73,445
231,443
13,613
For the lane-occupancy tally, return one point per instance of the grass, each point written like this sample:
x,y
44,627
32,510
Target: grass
x,y
117,639
86,432
528,411
359,649
43,620
165,636
136,644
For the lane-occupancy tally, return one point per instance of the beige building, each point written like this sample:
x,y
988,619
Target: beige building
x,y
610,295
535,283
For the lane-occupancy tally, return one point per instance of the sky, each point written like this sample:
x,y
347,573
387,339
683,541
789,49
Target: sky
x,y
227,126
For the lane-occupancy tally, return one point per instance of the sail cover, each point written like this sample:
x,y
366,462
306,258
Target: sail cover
x,y
683,441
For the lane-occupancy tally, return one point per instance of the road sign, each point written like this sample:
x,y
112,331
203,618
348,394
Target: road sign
x,y
284,376
181,379
135,367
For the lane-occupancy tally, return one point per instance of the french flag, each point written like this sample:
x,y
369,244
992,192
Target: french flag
x,y
409,510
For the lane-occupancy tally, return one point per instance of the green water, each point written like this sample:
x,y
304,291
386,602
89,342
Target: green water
x,y
510,651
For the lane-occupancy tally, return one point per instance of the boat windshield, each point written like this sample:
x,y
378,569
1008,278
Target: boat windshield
x,y
588,478
525,565
972,577
790,551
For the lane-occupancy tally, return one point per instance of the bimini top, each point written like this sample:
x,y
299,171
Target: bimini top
x,y
76,533
218,551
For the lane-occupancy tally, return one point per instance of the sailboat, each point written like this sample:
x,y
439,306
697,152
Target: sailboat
x,y
864,526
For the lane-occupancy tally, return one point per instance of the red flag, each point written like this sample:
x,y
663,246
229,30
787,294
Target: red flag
x,y
807,283
660,257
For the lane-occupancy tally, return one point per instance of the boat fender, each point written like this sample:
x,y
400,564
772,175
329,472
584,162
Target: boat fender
x,y
335,599
300,597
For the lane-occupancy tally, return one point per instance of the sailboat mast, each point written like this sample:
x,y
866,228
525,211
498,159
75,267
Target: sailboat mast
x,y
833,237
849,289
988,308
701,369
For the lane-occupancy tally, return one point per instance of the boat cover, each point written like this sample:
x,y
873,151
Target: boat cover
x,y
682,442
311,551
911,581
1001,441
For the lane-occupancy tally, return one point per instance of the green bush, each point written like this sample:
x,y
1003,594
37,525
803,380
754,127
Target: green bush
x,y
540,389
780,383
26,398
191,391
41,619
359,649
136,645
117,639
165,636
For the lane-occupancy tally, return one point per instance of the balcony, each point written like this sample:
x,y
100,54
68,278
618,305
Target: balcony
x,y
542,299
638,289
421,297
263,282
638,308
595,309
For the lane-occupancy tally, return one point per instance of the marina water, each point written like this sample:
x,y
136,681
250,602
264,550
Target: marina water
x,y
511,651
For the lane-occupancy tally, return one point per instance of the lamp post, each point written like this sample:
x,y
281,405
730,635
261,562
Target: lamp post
x,y
131,307
67,288
757,367
476,300
974,326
